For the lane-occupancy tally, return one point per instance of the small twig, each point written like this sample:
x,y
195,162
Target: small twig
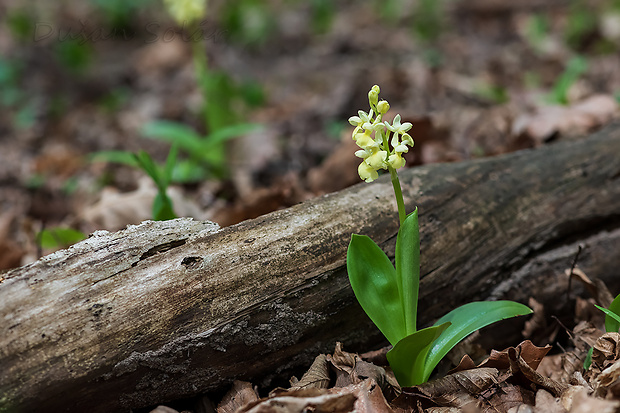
x,y
572,268
557,320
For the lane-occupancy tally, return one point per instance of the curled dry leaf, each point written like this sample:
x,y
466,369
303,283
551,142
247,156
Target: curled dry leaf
x,y
519,367
364,397
351,369
239,395
608,381
605,352
596,288
532,356
317,375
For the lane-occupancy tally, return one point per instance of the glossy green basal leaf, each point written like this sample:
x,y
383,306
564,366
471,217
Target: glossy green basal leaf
x,y
612,319
465,320
408,357
613,324
373,279
408,269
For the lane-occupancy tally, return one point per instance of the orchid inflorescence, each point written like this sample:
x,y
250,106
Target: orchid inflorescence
x,y
376,152
388,292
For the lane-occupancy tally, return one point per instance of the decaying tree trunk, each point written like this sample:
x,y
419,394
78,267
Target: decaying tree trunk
x,y
171,309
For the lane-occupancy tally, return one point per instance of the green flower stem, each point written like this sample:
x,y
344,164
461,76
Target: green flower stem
x,y
398,193
201,68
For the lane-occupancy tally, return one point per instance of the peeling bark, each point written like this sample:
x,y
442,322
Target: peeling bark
x,y
165,310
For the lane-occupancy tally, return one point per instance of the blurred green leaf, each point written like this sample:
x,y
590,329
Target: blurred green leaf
x,y
59,237
122,157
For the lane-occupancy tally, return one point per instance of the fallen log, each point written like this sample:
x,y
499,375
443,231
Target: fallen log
x,y
165,310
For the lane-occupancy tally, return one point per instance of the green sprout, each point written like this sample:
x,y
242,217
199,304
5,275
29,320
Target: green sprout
x,y
389,294
612,315
575,67
161,175
59,237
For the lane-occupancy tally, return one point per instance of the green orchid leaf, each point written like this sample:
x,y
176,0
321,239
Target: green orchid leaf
x,y
408,357
465,320
149,166
122,157
171,161
373,279
611,325
612,319
227,133
162,208
59,237
408,269
173,132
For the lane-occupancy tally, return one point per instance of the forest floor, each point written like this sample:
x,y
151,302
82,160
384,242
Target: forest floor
x,y
475,78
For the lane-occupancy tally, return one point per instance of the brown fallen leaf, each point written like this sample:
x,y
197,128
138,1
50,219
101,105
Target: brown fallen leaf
x,y
317,375
351,369
577,400
577,119
238,396
364,397
605,352
596,288
116,210
609,379
547,403
518,366
532,356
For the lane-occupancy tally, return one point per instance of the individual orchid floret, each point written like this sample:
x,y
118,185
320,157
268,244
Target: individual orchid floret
x,y
396,126
362,118
364,140
367,172
377,160
396,160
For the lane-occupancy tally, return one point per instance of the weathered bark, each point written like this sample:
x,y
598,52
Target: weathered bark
x,y
166,310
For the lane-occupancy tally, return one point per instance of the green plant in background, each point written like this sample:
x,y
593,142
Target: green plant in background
x,y
161,175
248,22
219,111
428,24
537,31
205,153
12,95
389,294
59,237
75,55
575,67
120,14
581,22
322,12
